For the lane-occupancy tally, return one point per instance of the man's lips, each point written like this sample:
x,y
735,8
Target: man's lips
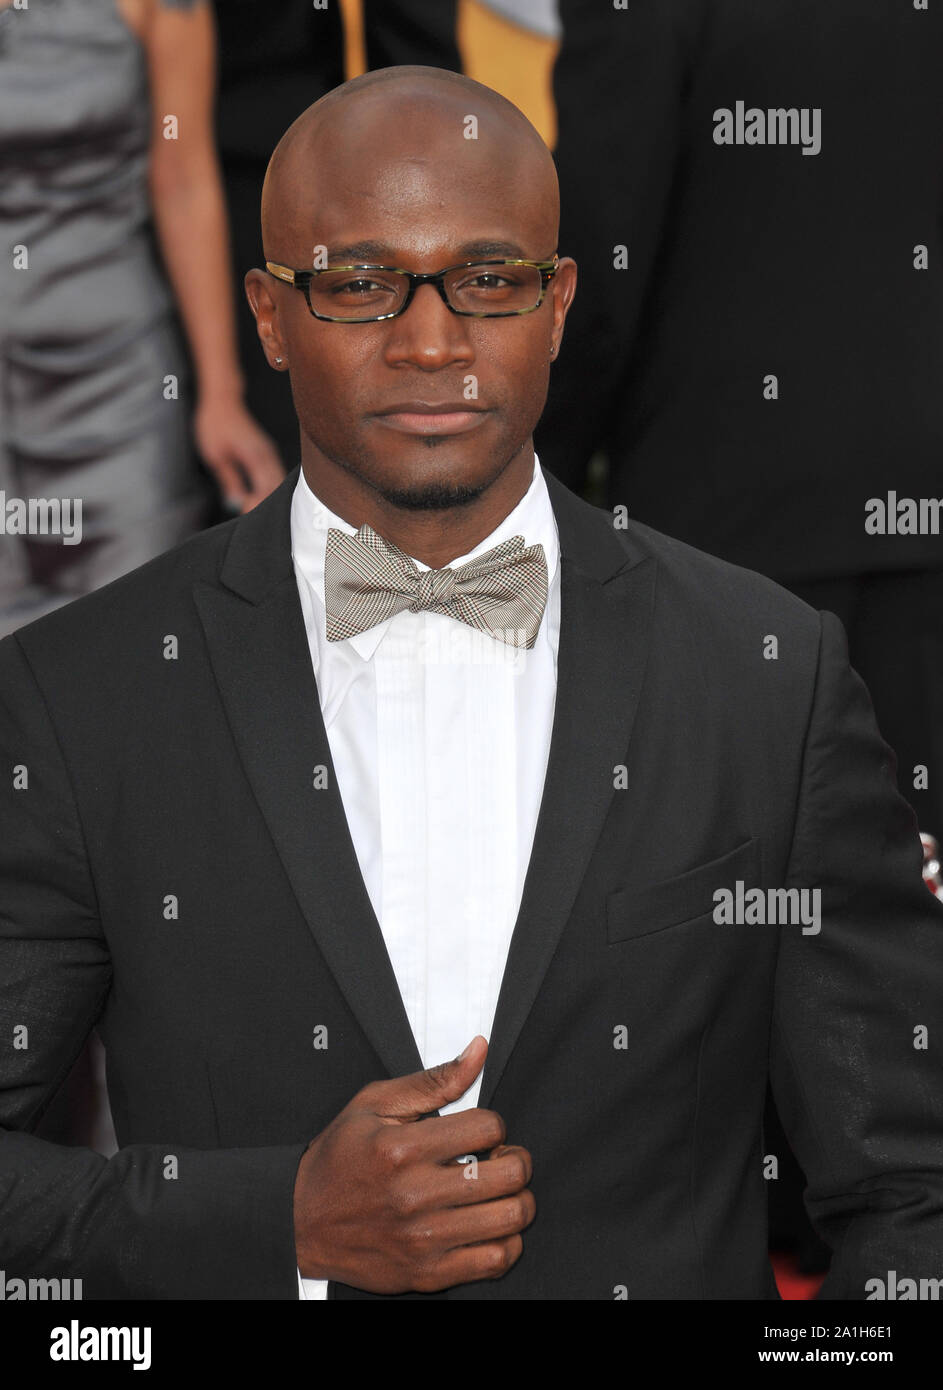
x,y
423,417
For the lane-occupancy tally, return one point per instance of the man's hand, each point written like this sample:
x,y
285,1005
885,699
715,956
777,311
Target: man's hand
x,y
381,1204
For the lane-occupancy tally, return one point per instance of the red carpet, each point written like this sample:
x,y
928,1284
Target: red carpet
x,y
790,1282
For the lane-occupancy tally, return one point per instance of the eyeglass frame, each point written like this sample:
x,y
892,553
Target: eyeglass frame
x,y
301,280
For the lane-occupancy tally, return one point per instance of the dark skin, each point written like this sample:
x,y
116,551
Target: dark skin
x,y
380,1202
391,164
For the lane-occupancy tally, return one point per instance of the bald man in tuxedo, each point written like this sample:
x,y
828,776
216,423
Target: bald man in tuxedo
x,y
397,835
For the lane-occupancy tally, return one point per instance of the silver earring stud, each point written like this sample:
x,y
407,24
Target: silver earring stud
x,y
279,361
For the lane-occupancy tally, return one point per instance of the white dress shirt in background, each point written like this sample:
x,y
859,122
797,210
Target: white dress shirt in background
x,y
439,736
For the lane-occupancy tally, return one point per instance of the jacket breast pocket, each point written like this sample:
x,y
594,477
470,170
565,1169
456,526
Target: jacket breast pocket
x,y
644,908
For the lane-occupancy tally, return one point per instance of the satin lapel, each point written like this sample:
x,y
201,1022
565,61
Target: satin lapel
x,y
606,602
259,652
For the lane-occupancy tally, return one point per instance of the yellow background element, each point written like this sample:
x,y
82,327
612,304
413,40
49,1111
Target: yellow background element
x,y
513,61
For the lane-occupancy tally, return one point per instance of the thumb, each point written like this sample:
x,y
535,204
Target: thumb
x,y
408,1097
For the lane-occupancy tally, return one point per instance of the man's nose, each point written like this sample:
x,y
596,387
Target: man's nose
x,y
427,332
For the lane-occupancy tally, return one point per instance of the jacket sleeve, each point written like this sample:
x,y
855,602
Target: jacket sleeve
x,y
223,1228
857,1033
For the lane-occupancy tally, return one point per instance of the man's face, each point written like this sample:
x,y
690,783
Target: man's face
x,y
425,202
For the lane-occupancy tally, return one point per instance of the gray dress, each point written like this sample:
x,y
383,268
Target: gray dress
x,y
89,331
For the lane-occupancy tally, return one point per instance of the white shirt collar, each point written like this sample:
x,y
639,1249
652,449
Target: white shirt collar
x,y
532,518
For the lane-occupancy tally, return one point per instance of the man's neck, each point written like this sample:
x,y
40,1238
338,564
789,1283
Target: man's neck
x,y
435,537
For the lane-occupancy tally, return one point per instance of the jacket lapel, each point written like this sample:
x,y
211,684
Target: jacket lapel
x,y
606,602
258,648
259,651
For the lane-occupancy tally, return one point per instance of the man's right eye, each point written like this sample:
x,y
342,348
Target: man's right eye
x,y
362,286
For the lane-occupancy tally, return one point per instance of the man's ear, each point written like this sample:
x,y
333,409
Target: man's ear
x,y
563,287
264,306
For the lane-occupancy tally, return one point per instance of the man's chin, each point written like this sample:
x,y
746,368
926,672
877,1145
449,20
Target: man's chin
x,y
416,478
430,496
433,480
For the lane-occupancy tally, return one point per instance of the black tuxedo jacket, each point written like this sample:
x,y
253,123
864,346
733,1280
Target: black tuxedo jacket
x,y
170,872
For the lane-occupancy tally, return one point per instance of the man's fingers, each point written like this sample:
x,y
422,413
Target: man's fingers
x,y
503,1150
437,1141
468,1263
443,1138
436,1188
408,1097
462,1184
507,1216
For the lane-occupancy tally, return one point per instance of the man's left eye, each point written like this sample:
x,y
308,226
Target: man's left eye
x,y
362,285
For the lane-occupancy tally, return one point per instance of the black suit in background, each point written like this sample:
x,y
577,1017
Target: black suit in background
x,y
745,261
192,777
751,260
274,61
411,31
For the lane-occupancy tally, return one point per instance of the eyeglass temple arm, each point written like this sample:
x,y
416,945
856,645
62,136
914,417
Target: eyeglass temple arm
x,y
282,272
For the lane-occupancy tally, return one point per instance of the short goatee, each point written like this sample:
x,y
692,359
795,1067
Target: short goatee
x,y
431,497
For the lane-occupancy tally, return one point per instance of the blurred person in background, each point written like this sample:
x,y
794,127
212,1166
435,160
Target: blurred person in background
x,y
273,63
117,333
115,279
758,345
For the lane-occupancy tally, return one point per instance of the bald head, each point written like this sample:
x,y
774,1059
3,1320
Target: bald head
x,y
402,141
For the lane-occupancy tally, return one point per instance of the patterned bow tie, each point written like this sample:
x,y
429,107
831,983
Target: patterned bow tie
x,y
367,579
